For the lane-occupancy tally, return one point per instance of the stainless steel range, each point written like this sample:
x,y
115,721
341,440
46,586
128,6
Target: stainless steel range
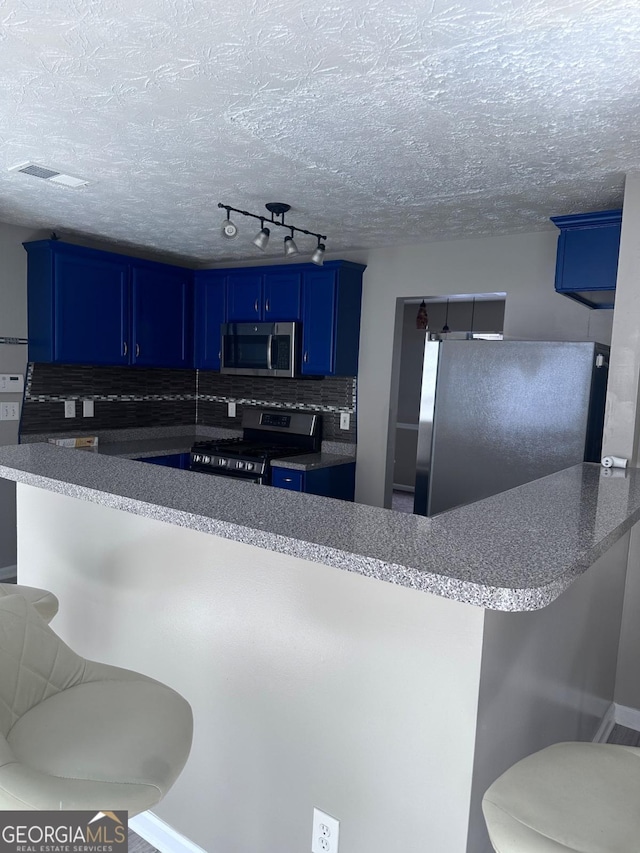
x,y
266,434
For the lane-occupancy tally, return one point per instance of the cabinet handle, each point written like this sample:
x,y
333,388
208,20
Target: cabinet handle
x,y
288,479
267,305
137,350
219,355
255,306
306,357
125,348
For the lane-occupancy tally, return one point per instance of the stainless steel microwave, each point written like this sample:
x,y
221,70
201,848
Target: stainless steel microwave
x,y
260,349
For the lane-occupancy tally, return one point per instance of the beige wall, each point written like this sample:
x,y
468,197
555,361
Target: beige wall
x,y
622,423
13,324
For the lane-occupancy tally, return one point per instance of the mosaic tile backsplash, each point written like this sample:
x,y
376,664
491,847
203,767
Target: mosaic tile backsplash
x,y
134,397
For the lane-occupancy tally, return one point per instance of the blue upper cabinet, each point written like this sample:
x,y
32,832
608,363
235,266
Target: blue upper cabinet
x,y
209,314
281,296
263,294
331,301
244,296
162,314
92,307
87,330
587,259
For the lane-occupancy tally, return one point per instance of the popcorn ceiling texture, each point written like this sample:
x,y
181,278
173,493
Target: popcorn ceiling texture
x,y
380,121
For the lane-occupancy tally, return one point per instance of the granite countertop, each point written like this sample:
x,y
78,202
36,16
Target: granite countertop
x,y
518,550
312,461
143,447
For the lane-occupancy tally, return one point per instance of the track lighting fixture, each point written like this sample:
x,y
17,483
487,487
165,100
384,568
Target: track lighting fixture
x,y
318,255
277,211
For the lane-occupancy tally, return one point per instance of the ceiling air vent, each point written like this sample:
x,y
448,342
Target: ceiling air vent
x,y
50,175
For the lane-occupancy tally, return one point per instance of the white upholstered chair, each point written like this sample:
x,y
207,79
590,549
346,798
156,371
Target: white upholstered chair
x,y
568,797
44,601
76,734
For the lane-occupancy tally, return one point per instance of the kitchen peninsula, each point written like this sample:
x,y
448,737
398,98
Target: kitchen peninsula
x,y
383,667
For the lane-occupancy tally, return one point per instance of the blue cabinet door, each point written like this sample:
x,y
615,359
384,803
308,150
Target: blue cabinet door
x,y
90,310
285,478
244,297
281,296
162,316
331,300
335,481
210,313
318,328
587,258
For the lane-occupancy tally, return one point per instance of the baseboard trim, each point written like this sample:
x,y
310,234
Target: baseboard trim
x,y
606,725
160,835
8,572
626,716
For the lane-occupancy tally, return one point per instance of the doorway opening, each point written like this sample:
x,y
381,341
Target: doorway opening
x,y
453,317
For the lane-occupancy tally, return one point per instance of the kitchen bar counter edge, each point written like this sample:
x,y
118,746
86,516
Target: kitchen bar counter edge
x,y
515,551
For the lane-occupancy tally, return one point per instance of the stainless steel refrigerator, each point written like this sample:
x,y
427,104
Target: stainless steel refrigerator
x,y
497,414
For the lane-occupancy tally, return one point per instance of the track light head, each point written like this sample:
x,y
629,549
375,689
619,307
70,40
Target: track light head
x,y
290,247
229,228
318,255
262,237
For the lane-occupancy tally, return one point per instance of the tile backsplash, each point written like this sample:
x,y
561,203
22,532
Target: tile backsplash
x,y
329,395
134,397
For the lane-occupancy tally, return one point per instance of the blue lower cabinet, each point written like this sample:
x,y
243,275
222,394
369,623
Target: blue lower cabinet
x,y
174,460
286,478
336,481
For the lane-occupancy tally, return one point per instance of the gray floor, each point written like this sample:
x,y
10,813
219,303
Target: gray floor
x,y
624,736
402,501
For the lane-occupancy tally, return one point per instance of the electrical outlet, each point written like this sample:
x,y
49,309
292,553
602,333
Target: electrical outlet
x,y
345,420
87,408
69,408
231,410
326,831
9,411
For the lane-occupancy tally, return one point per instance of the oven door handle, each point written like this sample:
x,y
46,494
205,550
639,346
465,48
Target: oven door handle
x,y
269,346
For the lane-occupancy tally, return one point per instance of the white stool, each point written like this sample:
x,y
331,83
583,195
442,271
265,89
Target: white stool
x,y
76,734
568,797
44,601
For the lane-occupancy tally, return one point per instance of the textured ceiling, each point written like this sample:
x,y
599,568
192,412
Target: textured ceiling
x,y
380,121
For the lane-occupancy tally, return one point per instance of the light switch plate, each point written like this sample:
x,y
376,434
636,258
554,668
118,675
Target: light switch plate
x,y
87,408
9,411
11,383
345,420
231,410
69,408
